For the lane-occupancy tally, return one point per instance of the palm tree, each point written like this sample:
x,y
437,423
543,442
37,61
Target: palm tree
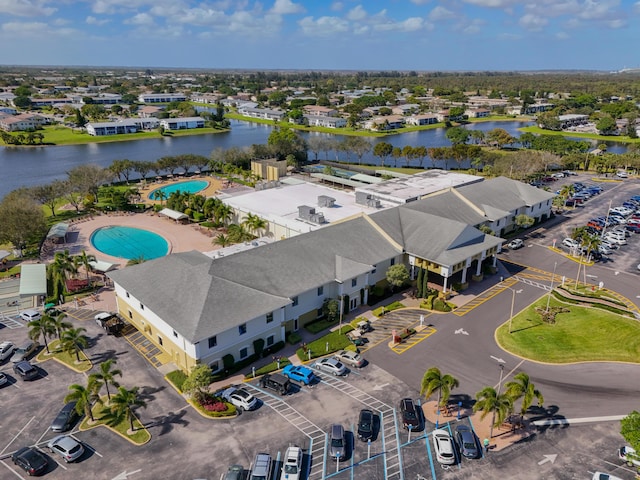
x,y
238,233
222,240
123,403
59,325
254,223
107,375
73,340
488,401
84,259
136,260
42,327
222,213
433,380
84,396
160,195
60,269
522,387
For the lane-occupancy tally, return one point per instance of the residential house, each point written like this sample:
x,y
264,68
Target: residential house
x,y
319,111
182,123
265,113
406,109
150,111
322,121
161,97
389,122
477,112
418,120
21,122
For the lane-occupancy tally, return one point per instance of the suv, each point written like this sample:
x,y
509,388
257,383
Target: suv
x,y
292,464
6,350
276,382
25,370
65,418
299,374
409,415
24,351
261,469
30,315
241,398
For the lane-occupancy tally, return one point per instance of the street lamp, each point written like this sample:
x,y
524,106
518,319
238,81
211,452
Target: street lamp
x,y
513,301
493,418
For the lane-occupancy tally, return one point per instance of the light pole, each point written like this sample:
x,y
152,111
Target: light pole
x,y
551,290
493,417
513,301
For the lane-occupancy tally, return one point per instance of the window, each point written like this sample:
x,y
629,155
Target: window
x,y
295,301
375,267
215,366
319,314
354,282
127,294
175,334
130,314
392,262
269,317
141,307
320,291
242,329
160,340
270,340
244,352
213,341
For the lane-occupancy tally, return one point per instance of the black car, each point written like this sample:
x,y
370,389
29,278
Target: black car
x,y
409,414
65,418
30,460
365,425
467,442
25,370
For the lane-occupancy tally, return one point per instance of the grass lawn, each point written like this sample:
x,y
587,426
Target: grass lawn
x,y
65,358
582,335
333,340
102,417
592,136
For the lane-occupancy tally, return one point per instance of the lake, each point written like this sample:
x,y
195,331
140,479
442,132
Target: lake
x,y
39,165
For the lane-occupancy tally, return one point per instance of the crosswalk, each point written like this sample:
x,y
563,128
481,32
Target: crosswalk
x,y
388,423
317,438
11,322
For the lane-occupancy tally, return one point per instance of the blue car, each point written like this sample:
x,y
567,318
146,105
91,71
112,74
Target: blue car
x,y
299,373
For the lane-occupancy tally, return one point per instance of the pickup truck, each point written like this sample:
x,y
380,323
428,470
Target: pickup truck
x,y
111,322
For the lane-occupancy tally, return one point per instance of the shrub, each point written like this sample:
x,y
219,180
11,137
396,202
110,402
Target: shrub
x,y
188,212
258,346
294,338
269,367
321,324
197,216
228,361
440,305
318,348
177,378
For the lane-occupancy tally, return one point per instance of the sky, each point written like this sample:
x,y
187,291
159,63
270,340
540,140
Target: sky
x,y
420,35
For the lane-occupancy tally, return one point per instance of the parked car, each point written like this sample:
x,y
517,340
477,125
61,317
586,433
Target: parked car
x,y
299,373
570,243
30,315
24,351
111,322
467,442
235,472
515,244
31,460
6,350
622,174
365,425
261,469
629,455
67,447
604,476
241,398
350,357
337,442
65,418
330,365
292,464
25,370
409,414
634,227
3,378
443,446
604,250
276,382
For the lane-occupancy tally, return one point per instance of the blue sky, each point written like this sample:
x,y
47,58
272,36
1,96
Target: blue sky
x,y
324,34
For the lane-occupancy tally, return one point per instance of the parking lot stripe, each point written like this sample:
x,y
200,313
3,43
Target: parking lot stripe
x,y
17,435
12,470
433,468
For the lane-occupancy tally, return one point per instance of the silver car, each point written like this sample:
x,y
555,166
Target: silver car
x,y
67,447
330,365
337,442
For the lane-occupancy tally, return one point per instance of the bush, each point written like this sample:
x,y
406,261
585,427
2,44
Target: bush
x,y
276,347
269,367
318,348
197,216
213,406
428,302
177,378
440,305
319,325
294,338
228,361
378,312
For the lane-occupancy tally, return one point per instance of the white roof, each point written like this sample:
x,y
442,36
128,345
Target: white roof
x,y
173,214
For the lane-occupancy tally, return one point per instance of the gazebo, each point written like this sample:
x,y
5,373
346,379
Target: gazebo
x,y
179,217
58,233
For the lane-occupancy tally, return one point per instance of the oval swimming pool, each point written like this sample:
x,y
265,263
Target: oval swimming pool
x,y
190,186
129,242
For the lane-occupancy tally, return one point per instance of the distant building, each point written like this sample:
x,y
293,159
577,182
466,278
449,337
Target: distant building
x,y
418,120
21,122
161,97
182,123
329,122
265,113
319,111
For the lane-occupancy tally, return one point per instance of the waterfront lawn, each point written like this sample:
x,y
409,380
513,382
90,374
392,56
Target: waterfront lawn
x,y
582,335
612,138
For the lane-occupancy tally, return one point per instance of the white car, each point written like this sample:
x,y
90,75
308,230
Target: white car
x,y
515,244
350,358
30,315
330,365
570,243
241,398
6,350
627,453
67,447
292,464
622,174
617,239
443,446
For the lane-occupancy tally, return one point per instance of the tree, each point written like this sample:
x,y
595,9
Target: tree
x,y
524,221
434,381
59,325
522,388
457,135
331,309
160,195
285,141
85,260
49,194
255,223
198,381
42,327
107,375
397,275
500,137
630,429
22,219
382,150
238,233
222,240
136,260
73,341
84,397
87,179
488,401
123,403
606,125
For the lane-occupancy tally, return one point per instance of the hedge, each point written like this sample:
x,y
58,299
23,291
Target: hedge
x,y
269,367
378,312
318,348
321,324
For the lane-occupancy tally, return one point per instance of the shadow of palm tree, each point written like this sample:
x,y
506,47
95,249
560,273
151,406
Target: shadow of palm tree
x,y
168,421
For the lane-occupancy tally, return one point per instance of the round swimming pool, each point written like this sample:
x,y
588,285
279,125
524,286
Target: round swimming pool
x,y
129,242
190,186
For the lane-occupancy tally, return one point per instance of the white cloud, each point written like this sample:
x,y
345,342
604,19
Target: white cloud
x,y
26,8
562,36
533,22
616,23
286,7
200,17
636,7
441,13
420,2
35,30
323,26
470,27
95,21
494,3
356,14
140,19
409,25
337,6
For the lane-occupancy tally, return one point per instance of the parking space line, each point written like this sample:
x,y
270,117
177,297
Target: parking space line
x,y
17,435
61,465
433,468
12,470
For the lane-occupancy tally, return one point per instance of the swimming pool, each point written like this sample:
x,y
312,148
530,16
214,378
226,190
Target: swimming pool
x,y
129,242
190,186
